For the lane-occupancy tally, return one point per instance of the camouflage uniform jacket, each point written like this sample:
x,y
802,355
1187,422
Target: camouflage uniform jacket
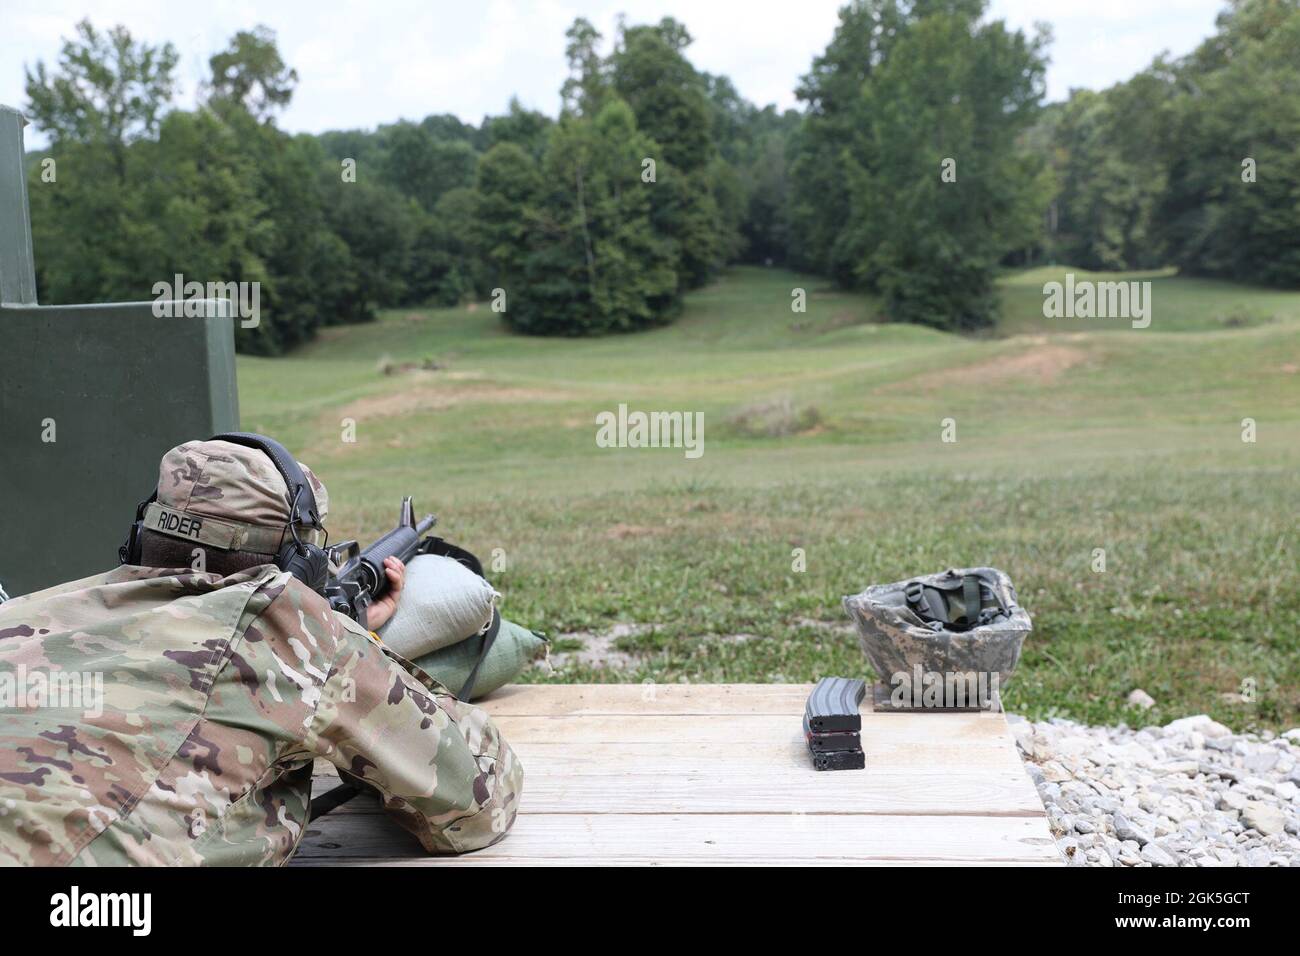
x,y
217,695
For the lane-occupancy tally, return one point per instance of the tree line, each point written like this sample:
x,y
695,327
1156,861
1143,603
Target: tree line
x,y
922,161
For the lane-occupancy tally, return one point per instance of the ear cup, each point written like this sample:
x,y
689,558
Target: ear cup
x,y
129,552
306,562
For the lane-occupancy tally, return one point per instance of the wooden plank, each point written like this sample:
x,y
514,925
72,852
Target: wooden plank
x,y
707,838
552,700
780,756
719,774
934,793
752,756
783,756
918,729
596,778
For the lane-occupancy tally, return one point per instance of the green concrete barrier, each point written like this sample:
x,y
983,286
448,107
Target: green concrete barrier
x,y
90,398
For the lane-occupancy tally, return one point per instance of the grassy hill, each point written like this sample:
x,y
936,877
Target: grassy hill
x,y
823,432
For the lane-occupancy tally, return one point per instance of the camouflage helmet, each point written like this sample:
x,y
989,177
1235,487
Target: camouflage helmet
x,y
226,496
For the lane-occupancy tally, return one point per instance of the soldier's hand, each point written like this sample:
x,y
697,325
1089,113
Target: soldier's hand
x,y
379,612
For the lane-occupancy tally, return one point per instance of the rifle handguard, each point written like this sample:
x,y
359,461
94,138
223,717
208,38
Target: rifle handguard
x,y
361,581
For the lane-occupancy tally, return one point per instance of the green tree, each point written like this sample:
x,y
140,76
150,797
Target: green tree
x,y
821,161
424,168
525,128
697,203
444,127
751,172
458,215
108,90
362,146
650,72
1108,154
251,73
930,103
82,233
765,225
379,226
1232,206
585,88
573,245
309,274
508,190
208,222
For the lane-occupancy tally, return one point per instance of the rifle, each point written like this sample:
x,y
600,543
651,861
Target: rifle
x,y
361,580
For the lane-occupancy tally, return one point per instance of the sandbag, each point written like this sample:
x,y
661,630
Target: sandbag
x,y
514,649
442,602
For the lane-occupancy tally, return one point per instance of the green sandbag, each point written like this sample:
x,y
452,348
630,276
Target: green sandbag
x,y
514,649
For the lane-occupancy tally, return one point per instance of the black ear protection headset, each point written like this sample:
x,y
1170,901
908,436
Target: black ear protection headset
x,y
306,561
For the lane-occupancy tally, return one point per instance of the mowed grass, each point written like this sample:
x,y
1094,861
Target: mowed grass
x,y
1178,303
823,433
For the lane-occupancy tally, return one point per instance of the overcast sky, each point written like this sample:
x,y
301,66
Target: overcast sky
x,y
408,58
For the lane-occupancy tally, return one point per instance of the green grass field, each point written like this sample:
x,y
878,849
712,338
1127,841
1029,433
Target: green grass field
x,y
823,432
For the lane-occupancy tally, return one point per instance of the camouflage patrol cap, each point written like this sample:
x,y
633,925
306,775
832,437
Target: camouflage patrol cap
x,y
228,496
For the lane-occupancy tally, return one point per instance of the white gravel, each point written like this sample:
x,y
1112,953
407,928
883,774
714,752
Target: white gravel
x,y
1191,793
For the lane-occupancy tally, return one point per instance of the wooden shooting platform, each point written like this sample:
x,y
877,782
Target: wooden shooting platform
x,y
676,774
